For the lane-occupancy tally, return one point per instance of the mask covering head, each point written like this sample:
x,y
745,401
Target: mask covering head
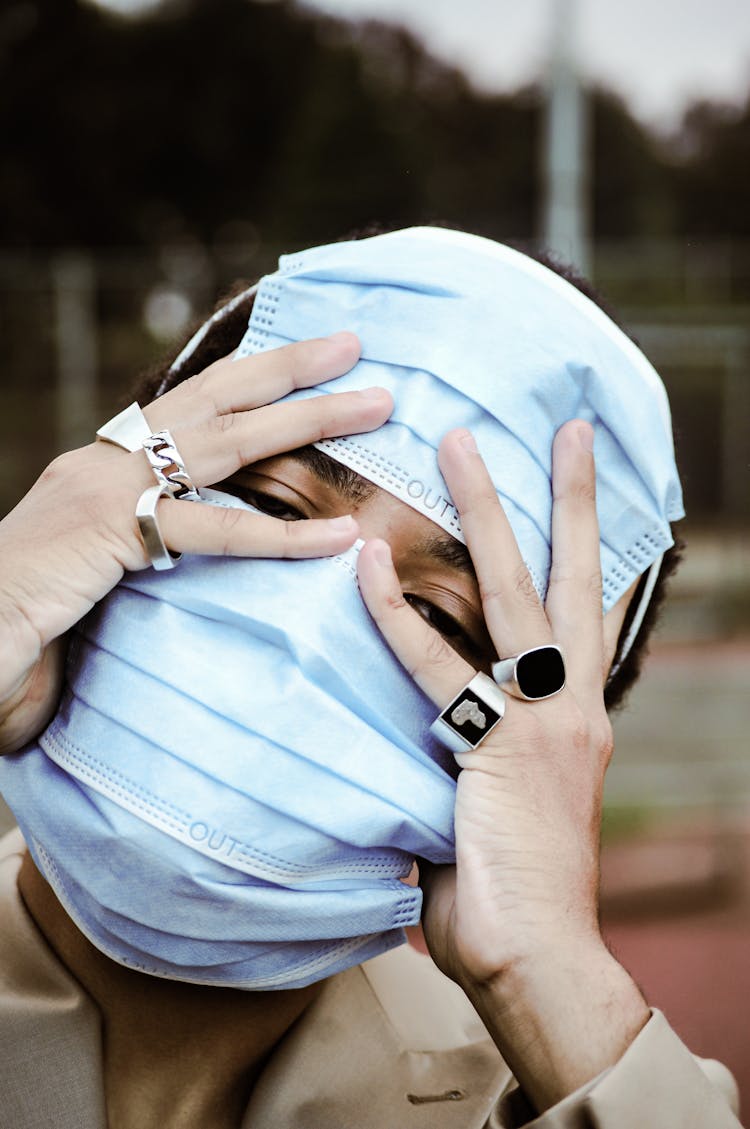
x,y
466,332
240,772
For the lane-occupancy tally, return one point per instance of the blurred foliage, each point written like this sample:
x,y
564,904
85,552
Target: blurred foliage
x,y
195,143
621,822
202,118
715,174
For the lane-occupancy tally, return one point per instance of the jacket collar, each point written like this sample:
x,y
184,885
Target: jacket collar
x,y
390,1042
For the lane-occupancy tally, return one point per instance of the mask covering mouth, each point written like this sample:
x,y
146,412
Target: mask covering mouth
x,y
221,798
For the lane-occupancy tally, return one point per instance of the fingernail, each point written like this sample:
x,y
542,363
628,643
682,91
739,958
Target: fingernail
x,y
346,522
342,335
586,436
381,551
467,442
373,393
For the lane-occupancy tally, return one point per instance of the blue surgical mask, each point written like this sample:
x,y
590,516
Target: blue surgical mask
x,y
466,332
240,772
222,797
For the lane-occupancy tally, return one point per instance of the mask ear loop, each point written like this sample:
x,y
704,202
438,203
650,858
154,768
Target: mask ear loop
x,y
640,612
199,335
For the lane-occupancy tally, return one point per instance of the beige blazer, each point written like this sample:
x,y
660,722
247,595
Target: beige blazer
x,y
392,1044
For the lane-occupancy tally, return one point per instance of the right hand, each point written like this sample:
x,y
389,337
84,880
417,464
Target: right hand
x,y
71,538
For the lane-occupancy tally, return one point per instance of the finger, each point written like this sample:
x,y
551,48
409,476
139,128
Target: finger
x,y
512,608
221,446
436,668
232,385
574,597
189,527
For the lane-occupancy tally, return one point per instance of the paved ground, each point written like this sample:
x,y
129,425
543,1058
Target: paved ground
x,y
684,736
676,910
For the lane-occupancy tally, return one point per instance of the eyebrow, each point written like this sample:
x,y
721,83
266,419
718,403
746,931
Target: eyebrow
x,y
356,489
447,550
353,486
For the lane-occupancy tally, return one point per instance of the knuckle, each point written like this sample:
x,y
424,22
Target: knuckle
x,y
433,655
291,533
523,585
590,737
227,521
198,387
387,609
584,490
223,424
493,592
490,593
195,384
295,361
437,653
579,490
603,739
561,573
61,467
226,428
394,600
479,504
328,415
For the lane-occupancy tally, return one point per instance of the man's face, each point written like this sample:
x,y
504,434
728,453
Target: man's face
x,y
435,570
436,573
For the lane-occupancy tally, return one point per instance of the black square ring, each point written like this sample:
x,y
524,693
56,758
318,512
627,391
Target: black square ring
x,y
472,714
532,675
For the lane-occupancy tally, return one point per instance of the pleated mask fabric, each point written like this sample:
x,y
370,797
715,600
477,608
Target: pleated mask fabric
x,y
466,332
223,797
240,773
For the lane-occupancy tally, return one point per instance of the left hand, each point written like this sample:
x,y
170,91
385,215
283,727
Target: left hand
x,y
521,903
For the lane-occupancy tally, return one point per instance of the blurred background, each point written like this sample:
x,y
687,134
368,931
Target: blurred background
x,y
154,152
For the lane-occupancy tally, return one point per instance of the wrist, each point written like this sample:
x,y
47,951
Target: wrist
x,y
31,680
20,648
560,1015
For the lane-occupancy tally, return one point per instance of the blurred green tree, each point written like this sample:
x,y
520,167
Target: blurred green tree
x,y
714,178
200,118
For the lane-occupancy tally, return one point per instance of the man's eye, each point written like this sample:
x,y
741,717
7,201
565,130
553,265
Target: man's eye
x,y
448,627
274,507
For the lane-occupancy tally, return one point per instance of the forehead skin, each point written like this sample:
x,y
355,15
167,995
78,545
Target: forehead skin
x,y
357,490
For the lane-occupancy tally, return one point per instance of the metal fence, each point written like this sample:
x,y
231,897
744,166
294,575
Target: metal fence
x,y
77,328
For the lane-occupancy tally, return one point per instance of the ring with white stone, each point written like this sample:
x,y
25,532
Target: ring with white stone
x,y
471,716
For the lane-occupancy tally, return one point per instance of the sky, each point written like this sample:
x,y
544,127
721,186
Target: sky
x,y
660,55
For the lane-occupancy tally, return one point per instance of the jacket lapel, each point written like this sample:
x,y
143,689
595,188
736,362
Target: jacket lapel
x,y
392,1043
50,1041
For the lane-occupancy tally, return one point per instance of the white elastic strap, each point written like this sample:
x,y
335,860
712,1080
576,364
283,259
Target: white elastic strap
x,y
640,611
198,336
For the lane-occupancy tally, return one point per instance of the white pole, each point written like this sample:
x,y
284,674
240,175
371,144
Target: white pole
x,y
74,286
566,144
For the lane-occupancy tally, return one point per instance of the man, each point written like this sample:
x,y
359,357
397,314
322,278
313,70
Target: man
x,y
241,772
